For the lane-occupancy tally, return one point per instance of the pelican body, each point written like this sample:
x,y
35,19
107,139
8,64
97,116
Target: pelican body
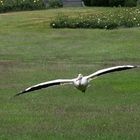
x,y
81,82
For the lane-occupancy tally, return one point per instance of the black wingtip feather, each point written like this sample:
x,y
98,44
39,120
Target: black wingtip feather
x,y
22,92
36,88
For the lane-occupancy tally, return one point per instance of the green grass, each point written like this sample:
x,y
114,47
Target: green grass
x,y
32,52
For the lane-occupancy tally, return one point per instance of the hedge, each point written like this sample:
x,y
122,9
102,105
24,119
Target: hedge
x,y
111,3
17,5
128,17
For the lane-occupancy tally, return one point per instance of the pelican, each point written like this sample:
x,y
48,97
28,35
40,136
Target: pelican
x,y
81,82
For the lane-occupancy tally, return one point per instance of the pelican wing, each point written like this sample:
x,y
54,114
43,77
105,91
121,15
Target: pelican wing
x,y
46,84
109,70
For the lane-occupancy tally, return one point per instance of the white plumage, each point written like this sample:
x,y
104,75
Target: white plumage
x,y
81,82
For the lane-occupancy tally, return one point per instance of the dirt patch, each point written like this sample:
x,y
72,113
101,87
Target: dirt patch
x,y
8,62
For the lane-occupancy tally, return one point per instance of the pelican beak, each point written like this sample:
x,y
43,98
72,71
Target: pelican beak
x,y
89,85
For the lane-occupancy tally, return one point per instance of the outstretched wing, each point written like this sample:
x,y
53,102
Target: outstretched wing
x,y
46,84
109,70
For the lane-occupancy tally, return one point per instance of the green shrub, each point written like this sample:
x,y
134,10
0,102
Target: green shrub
x,y
130,3
128,17
127,3
87,2
96,2
116,2
17,5
55,3
83,22
99,2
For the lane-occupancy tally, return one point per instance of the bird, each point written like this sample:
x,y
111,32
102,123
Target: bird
x,y
81,82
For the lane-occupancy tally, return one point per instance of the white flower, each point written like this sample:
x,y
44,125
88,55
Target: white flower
x,y
53,24
134,18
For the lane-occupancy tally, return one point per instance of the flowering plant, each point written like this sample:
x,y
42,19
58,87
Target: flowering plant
x,y
122,17
17,5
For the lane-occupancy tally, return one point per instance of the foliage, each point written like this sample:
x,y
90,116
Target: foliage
x,y
127,3
130,3
129,17
82,22
116,2
54,3
16,5
87,2
99,2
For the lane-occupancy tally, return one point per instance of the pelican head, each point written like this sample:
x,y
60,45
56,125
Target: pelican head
x,y
80,76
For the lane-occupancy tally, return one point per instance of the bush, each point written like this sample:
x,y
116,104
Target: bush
x,y
127,3
130,3
55,3
129,17
116,2
99,2
87,2
17,5
83,22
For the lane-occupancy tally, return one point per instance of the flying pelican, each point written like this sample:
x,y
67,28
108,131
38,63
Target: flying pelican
x,y
81,82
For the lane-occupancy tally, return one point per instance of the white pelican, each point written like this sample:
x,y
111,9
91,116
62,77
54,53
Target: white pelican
x,y
81,82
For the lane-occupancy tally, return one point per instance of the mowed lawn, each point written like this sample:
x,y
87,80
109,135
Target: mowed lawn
x,y
32,52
